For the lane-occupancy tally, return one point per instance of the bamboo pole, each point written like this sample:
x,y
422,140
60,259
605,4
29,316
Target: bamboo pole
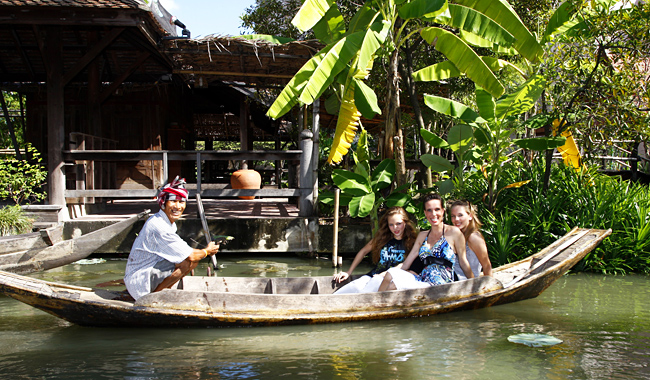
x,y
335,242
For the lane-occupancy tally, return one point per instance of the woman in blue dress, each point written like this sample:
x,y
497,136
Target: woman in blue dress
x,y
431,261
389,247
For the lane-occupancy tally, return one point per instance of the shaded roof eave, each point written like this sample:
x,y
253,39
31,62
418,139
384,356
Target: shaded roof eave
x,y
257,63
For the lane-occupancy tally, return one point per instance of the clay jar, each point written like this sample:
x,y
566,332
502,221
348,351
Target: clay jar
x,y
246,179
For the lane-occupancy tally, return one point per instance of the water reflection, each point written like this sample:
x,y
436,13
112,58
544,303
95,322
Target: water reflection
x,y
602,321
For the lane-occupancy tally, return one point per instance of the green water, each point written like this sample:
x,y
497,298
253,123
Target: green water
x,y
603,321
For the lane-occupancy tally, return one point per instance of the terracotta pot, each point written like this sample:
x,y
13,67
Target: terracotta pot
x,y
246,179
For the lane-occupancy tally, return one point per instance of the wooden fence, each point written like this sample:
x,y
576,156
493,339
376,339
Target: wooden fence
x,y
300,163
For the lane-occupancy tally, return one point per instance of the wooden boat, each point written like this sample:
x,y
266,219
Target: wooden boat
x,y
240,301
33,240
46,249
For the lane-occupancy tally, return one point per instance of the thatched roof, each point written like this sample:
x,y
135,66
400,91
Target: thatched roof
x,y
257,63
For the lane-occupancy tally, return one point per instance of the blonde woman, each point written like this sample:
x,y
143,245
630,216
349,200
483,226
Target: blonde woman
x,y
463,216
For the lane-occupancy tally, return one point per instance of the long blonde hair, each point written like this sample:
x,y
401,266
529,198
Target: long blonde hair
x,y
383,234
474,224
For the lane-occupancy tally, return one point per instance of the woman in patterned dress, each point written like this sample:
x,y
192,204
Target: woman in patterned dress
x,y
431,261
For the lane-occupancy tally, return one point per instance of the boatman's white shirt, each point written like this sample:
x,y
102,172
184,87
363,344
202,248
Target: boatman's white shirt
x,y
157,241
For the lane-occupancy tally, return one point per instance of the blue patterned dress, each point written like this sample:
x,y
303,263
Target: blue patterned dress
x,y
436,274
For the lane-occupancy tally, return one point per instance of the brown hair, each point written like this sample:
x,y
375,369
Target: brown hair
x,y
474,224
383,234
431,197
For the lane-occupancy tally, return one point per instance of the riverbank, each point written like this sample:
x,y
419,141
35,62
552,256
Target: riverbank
x,y
260,226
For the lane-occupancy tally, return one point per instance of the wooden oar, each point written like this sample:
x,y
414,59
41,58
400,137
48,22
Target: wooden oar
x,y
206,230
546,258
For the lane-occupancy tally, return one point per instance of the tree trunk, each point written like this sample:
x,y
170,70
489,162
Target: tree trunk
x,y
410,83
392,129
10,125
548,156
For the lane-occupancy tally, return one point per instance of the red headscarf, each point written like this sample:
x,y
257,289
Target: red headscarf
x,y
174,190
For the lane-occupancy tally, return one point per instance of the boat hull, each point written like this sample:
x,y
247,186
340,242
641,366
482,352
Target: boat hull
x,y
43,257
238,301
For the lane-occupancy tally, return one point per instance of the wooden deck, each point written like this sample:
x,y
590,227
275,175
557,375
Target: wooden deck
x,y
271,208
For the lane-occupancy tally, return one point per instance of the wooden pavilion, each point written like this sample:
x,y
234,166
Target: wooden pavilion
x,y
117,102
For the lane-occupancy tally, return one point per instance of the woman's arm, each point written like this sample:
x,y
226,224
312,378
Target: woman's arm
x,y
414,251
477,244
357,260
457,239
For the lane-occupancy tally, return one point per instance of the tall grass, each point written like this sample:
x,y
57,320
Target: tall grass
x,y
13,221
525,220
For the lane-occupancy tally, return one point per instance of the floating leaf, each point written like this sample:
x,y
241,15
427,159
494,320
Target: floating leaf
x,y
534,340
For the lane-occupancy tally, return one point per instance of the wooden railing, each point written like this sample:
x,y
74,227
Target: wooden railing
x,y
302,187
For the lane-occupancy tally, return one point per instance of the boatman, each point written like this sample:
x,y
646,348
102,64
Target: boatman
x,y
159,257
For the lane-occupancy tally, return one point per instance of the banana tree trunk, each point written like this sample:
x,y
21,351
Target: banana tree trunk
x,y
392,129
410,85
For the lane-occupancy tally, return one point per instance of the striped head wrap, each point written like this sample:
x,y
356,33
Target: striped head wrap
x,y
172,191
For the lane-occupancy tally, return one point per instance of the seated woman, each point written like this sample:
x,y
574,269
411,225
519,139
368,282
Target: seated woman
x,y
389,247
463,216
438,248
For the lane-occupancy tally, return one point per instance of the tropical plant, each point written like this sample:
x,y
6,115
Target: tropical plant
x,y
22,180
362,189
380,28
12,128
491,130
525,221
460,140
596,82
13,221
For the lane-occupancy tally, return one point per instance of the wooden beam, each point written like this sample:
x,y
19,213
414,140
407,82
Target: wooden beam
x,y
179,155
151,47
23,54
94,89
38,36
216,193
91,54
74,16
231,73
118,82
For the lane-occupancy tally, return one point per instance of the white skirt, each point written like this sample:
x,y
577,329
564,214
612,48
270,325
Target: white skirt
x,y
363,284
406,280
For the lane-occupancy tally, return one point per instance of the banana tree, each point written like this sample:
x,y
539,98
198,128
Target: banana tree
x,y
383,26
460,140
362,188
492,131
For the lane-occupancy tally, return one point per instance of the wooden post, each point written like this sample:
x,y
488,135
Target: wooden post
x,y
316,153
305,202
246,142
634,164
55,120
165,167
335,242
198,172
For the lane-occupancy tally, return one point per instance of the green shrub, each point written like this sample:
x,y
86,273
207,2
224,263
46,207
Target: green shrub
x,y
13,221
525,220
21,180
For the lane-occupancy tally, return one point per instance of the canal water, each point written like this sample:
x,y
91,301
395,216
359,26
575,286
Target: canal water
x,y
603,322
